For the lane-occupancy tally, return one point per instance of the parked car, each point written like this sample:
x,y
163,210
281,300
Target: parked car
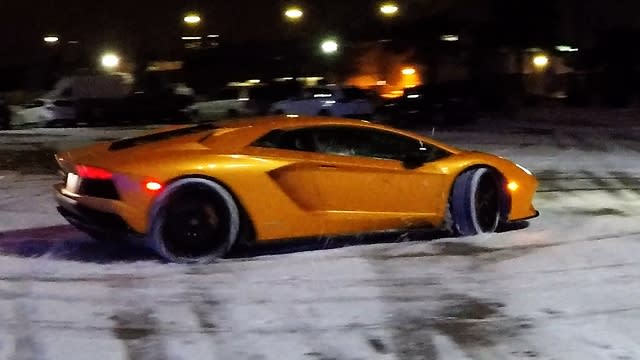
x,y
327,101
438,104
45,112
226,102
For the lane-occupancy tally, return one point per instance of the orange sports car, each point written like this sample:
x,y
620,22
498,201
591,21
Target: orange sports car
x,y
193,192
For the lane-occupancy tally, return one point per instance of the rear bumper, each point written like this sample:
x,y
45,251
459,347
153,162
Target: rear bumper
x,y
90,220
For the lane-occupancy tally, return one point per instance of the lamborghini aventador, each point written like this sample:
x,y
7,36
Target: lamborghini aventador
x,y
193,192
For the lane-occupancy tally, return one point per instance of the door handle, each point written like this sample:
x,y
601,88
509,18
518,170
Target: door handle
x,y
328,167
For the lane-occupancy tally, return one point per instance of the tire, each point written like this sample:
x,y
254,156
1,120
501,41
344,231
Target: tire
x,y
194,221
324,113
475,203
278,112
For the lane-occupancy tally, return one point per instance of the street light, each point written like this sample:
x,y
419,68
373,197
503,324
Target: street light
x,y
294,13
329,46
110,61
540,61
51,39
389,9
408,71
192,19
450,37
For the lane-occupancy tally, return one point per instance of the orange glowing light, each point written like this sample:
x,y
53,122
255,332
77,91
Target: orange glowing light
x,y
408,71
153,186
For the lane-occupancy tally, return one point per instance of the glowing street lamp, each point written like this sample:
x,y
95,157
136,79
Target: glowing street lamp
x,y
540,61
51,39
110,61
192,19
294,13
329,46
389,9
408,71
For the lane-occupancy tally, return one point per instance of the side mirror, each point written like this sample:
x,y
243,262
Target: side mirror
x,y
413,160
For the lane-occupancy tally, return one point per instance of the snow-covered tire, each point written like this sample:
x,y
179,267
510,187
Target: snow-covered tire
x,y
194,221
474,205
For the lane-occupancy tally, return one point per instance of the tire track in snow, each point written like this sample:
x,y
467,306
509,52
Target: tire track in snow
x,y
552,181
25,331
137,328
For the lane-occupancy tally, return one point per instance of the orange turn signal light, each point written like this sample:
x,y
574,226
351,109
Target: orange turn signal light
x,y
153,186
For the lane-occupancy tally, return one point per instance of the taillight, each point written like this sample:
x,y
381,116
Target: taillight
x,y
94,173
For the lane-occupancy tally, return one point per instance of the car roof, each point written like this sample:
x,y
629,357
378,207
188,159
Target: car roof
x,y
279,121
268,123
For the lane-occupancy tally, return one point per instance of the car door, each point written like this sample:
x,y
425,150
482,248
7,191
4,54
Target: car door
x,y
355,179
361,169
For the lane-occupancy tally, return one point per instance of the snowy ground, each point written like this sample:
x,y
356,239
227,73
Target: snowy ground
x,y
562,288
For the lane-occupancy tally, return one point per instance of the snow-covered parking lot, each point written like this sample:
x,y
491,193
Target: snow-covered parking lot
x,y
564,286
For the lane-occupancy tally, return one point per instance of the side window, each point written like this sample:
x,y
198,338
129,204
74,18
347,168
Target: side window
x,y
354,94
373,143
34,104
322,93
317,93
350,141
297,140
226,94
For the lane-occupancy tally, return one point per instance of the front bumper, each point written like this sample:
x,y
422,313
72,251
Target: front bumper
x,y
534,215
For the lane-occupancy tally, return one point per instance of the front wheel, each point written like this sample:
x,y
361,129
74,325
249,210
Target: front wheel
x,y
474,205
194,221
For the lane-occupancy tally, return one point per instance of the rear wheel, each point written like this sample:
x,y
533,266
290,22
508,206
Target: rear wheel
x,y
474,206
324,113
195,221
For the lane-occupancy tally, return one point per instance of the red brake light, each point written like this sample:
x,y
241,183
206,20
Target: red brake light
x,y
90,172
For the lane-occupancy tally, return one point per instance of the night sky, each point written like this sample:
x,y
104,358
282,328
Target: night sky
x,y
157,25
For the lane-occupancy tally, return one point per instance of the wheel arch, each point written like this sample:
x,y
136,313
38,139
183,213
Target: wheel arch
x,y
505,201
247,228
